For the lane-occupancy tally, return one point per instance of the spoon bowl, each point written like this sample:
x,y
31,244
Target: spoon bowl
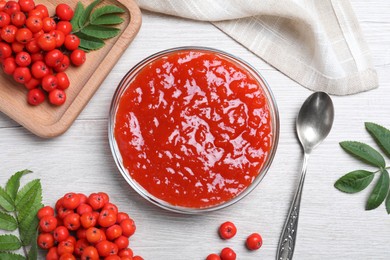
x,y
314,122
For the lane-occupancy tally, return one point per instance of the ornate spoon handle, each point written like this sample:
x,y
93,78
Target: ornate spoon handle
x,y
287,239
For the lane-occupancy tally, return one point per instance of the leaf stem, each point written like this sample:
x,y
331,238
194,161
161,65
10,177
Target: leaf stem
x,y
23,246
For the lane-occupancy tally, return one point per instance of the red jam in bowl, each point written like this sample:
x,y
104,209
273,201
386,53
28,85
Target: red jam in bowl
x,y
194,128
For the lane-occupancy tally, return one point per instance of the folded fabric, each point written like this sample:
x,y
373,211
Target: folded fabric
x,y
317,43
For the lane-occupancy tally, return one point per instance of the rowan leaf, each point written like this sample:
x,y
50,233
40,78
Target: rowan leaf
x,y
108,19
354,181
9,242
27,194
90,43
364,152
105,10
100,31
380,191
12,256
33,253
381,135
13,183
7,222
77,15
6,202
87,12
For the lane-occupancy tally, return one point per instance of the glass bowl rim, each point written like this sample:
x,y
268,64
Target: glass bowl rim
x,y
122,87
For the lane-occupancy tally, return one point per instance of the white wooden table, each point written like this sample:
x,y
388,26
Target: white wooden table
x,y
333,225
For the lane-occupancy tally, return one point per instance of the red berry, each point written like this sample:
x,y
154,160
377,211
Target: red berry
x,y
11,7
52,254
23,59
8,33
122,242
128,227
113,232
61,233
48,223
71,200
45,211
126,252
65,247
227,254
88,219
65,27
107,218
45,240
63,83
80,245
63,65
93,234
43,10
72,221
106,248
54,57
18,19
90,253
121,216
5,19
34,23
17,47
35,97
26,5
59,36
227,230
72,42
22,75
37,57
48,24
23,35
83,207
49,83
96,201
32,83
254,241
213,257
39,69
64,12
47,42
32,46
5,50
57,97
9,65
67,256
78,57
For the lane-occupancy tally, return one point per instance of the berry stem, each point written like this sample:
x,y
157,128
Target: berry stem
x,y
22,242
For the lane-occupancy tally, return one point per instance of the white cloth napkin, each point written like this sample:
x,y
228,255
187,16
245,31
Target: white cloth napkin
x,y
317,43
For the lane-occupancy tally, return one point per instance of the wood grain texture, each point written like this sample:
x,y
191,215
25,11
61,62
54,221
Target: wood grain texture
x,y
46,120
332,225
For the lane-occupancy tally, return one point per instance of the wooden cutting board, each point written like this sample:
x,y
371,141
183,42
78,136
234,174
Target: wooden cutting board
x,y
49,121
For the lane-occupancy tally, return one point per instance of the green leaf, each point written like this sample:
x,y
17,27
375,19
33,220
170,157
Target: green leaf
x,y
101,32
27,194
108,19
8,222
105,10
9,242
13,183
87,12
27,230
381,135
11,256
364,152
354,181
89,43
380,191
33,253
387,203
6,202
77,15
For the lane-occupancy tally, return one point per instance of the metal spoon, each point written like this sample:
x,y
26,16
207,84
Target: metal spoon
x,y
313,124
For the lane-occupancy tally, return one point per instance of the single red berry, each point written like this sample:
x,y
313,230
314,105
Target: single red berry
x,y
35,97
65,247
23,59
5,19
72,221
78,57
9,65
128,227
48,223
26,5
32,83
22,75
122,242
45,240
23,35
5,50
111,206
137,257
95,200
38,56
65,27
67,256
34,23
213,257
47,42
63,212
18,19
71,200
39,69
121,216
90,253
83,198
227,230
126,252
227,254
11,7
48,24
54,57
63,65
254,241
61,233
32,46
59,36
8,33
80,245
72,42
43,10
57,97
83,207
106,248
113,232
45,211
88,219
17,47
107,218
52,254
64,12
63,83
93,234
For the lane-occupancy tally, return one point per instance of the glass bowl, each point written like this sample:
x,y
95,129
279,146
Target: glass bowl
x,y
129,77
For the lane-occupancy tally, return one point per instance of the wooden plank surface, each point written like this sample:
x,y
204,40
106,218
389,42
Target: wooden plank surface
x,y
333,225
